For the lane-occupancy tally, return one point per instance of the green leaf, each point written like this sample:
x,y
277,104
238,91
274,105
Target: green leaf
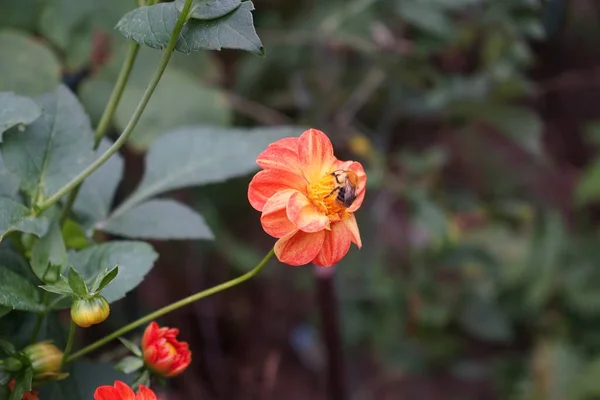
x,y
427,17
22,14
30,69
135,260
588,187
61,287
98,190
15,110
132,347
152,26
130,364
486,320
23,384
50,249
53,149
163,114
6,347
522,125
193,156
4,311
209,9
9,183
158,219
104,279
73,235
77,283
83,382
18,293
16,217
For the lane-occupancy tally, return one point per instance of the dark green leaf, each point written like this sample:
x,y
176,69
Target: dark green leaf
x,y
104,279
158,219
31,68
209,9
17,217
4,311
52,150
132,347
97,192
135,260
50,249
194,156
152,26
77,283
16,110
130,364
6,347
22,384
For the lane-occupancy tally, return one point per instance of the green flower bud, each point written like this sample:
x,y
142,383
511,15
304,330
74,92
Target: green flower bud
x,y
45,359
11,364
88,312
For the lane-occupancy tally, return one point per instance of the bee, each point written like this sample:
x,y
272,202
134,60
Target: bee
x,y
347,182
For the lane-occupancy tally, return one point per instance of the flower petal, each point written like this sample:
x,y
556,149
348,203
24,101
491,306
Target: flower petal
x,y
145,394
299,248
305,215
361,187
315,152
352,230
335,245
268,182
274,217
282,154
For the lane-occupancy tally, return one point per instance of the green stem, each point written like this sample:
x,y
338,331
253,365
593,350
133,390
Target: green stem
x,y
69,345
40,318
172,307
181,20
107,115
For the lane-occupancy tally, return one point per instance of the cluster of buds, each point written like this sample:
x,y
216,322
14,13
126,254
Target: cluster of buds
x,y
35,364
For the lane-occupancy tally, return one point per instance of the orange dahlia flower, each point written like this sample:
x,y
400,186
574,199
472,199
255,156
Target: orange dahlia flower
x,y
308,198
120,391
163,353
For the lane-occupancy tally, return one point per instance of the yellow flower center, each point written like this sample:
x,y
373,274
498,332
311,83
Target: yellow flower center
x,y
323,194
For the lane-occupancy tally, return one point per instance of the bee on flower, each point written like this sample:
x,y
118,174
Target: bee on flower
x,y
308,198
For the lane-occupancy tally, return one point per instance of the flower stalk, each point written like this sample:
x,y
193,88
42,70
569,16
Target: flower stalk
x,y
169,308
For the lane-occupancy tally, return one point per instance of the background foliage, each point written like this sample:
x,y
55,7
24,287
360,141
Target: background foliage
x,y
477,121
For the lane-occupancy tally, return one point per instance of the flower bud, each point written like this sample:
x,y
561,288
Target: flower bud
x,y
11,364
45,359
163,353
30,395
88,312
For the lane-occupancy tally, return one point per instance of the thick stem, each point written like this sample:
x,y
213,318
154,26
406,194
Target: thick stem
x,y
69,345
181,20
107,115
171,307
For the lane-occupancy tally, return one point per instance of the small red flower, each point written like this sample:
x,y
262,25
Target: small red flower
x,y
308,198
120,391
163,353
31,395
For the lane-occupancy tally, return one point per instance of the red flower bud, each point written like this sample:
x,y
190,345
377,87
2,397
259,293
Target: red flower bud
x,y
31,395
88,312
121,391
45,360
163,353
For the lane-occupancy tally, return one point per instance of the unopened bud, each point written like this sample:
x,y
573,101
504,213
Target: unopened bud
x,y
88,312
45,359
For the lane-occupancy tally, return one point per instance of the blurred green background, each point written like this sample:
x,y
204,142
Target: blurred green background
x,y
478,122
